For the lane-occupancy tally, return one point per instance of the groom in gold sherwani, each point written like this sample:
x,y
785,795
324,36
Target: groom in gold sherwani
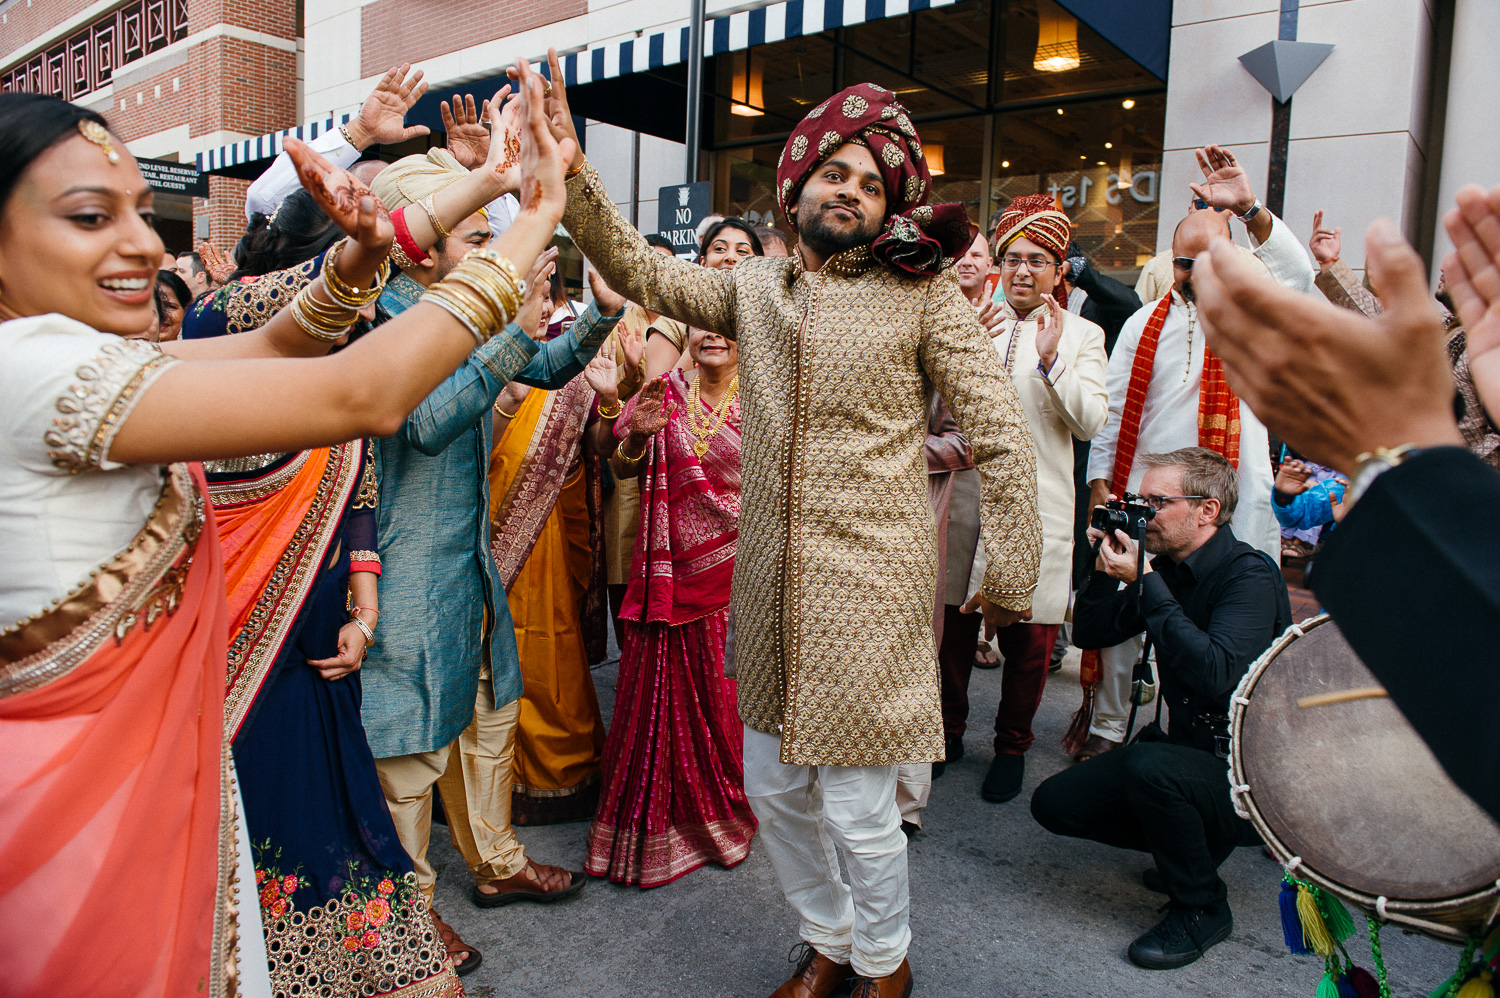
x,y
841,347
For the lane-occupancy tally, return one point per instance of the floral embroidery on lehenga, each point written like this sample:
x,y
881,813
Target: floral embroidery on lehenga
x,y
375,938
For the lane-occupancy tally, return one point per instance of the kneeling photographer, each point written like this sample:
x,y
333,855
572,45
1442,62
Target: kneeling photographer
x,y
1209,604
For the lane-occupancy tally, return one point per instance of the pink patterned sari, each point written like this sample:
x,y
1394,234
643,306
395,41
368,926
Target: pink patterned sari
x,y
673,795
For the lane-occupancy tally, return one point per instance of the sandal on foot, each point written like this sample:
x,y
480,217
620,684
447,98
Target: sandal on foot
x,y
472,958
533,882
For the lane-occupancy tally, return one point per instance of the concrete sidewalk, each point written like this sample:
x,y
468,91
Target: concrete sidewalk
x,y
999,908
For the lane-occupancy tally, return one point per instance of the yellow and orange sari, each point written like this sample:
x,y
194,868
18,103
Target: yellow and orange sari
x,y
548,549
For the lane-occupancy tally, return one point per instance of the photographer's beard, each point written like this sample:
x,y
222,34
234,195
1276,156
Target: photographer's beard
x,y
824,236
1170,539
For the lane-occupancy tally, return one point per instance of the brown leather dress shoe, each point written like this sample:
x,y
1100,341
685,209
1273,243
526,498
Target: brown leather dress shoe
x,y
897,985
816,977
1092,746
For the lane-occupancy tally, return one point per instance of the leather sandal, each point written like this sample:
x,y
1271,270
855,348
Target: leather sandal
x,y
472,958
533,882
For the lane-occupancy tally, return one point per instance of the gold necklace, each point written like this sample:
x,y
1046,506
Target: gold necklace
x,y
706,430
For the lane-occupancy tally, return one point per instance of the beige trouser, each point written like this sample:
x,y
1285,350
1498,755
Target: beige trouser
x,y
475,782
913,787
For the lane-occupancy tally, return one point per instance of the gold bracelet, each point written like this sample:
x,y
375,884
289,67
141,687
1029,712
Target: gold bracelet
x,y
626,457
484,292
364,628
345,293
507,415
319,319
569,175
432,216
618,408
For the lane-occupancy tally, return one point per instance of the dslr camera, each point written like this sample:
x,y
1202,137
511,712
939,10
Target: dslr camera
x,y
1128,514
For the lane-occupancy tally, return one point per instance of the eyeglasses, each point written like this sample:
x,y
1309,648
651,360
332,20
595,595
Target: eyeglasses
x,y
1183,262
1035,264
1159,503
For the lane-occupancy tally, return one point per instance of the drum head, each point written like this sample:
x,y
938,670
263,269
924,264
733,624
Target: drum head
x,y
1350,787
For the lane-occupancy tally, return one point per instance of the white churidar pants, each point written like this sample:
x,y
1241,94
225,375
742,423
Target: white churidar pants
x,y
809,816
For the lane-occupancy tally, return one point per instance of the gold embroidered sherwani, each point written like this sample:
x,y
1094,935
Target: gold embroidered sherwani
x,y
836,564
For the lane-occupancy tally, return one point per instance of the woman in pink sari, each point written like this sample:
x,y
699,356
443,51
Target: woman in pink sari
x,y
673,794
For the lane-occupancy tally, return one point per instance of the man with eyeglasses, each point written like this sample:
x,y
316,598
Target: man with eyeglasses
x,y
1167,391
1056,361
1210,605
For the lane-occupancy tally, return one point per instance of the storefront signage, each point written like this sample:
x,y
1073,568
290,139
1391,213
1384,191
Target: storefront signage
x,y
1140,186
166,177
679,210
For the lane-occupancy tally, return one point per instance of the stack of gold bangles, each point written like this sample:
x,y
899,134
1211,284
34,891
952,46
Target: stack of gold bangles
x,y
327,321
484,292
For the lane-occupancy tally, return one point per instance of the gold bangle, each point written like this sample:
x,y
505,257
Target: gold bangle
x,y
321,320
484,292
569,175
507,415
345,293
618,408
364,628
432,216
626,457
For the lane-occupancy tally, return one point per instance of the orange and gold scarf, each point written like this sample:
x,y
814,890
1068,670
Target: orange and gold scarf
x,y
1218,430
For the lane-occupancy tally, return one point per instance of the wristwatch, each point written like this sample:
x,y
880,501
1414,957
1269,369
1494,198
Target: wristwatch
x,y
1254,210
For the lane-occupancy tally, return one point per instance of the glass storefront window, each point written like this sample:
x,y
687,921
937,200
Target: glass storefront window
x,y
1101,162
1007,96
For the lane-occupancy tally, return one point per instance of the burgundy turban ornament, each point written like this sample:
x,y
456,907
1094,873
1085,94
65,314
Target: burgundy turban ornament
x,y
918,238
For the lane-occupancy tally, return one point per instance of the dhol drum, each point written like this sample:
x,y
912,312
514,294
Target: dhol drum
x,y
1349,798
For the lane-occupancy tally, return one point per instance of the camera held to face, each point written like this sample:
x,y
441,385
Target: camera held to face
x,y
1129,514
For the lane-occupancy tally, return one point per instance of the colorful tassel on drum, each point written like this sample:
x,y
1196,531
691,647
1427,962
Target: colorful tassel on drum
x,y
1314,930
1363,983
1481,985
1291,923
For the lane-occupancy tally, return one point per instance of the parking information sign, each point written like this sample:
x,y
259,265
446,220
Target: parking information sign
x,y
679,210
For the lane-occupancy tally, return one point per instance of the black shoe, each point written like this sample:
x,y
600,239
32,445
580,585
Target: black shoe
x,y
1152,880
910,828
1003,781
953,748
1182,937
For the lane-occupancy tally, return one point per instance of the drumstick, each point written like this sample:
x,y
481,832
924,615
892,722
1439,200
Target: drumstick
x,y
1344,696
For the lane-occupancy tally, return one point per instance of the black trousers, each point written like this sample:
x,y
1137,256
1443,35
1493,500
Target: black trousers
x,y
1169,800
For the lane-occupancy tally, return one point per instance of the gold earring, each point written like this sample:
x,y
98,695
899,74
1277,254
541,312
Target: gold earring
x,y
99,136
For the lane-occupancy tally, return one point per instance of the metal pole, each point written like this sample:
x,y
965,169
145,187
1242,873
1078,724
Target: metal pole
x,y
694,88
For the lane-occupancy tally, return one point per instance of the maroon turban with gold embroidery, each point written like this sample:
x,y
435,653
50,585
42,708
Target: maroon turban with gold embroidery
x,y
917,238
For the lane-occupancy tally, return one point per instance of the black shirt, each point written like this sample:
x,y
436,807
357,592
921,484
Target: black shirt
x,y
1209,617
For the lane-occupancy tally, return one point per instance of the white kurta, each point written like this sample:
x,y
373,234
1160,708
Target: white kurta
x,y
1169,419
1070,402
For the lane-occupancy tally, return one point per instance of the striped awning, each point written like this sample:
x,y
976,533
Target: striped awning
x,y
263,146
773,22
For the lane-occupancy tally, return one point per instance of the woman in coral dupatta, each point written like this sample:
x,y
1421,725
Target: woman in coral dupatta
x,y
673,796
123,862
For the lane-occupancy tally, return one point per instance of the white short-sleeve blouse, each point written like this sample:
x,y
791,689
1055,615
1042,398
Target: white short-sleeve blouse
x,y
65,508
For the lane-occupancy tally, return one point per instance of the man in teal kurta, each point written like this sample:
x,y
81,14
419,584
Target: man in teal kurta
x,y
444,662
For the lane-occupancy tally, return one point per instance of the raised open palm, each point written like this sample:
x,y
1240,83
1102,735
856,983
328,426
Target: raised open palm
x,y
343,197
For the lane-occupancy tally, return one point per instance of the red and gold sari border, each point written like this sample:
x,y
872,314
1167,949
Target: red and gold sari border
x,y
136,586
254,648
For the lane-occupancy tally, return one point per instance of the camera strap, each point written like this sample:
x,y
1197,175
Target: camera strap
x,y
1141,673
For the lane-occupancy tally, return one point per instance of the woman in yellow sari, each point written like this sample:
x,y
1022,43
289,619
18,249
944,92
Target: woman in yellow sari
x,y
546,535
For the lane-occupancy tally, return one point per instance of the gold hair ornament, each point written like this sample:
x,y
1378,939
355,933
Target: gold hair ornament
x,y
99,136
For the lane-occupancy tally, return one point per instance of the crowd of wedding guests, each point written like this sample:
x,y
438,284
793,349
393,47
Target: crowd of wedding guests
x,y
417,589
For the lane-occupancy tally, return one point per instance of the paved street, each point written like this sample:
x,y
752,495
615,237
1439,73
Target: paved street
x,y
999,908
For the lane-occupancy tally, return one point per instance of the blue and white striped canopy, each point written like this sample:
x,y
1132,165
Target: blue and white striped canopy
x,y
772,22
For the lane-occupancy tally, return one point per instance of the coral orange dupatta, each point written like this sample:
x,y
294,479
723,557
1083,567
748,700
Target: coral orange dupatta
x,y
111,815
